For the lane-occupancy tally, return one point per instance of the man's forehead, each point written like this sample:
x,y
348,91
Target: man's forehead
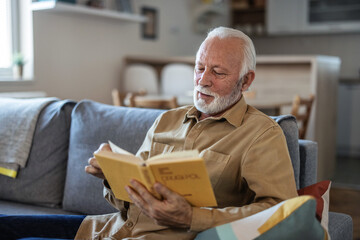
x,y
218,51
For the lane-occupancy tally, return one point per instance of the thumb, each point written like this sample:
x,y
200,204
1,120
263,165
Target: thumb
x,y
163,191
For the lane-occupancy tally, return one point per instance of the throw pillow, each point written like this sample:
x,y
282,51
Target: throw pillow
x,y
291,219
321,192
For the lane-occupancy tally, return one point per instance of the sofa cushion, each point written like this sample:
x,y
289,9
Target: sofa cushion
x,y
41,182
290,129
92,124
15,208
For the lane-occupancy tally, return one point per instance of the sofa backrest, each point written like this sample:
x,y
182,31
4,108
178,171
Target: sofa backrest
x,y
308,162
291,132
41,182
92,124
303,153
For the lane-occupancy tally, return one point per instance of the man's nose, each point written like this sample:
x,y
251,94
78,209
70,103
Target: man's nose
x,y
205,79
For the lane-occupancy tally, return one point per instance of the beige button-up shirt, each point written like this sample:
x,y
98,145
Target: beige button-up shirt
x,y
247,159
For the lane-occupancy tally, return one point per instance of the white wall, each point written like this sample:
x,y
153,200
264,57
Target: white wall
x,y
79,56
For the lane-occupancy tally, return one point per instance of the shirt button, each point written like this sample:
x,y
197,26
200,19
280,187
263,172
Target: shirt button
x,y
129,224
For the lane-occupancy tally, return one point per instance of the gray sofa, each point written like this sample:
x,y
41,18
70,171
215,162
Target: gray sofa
x,y
66,135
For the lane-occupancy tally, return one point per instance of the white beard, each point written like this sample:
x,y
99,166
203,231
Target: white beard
x,y
219,104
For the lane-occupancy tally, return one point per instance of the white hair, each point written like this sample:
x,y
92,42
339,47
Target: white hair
x,y
249,57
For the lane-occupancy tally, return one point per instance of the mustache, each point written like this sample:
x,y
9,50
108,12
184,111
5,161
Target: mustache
x,y
205,90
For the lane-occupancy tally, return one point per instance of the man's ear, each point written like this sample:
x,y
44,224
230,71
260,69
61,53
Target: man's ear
x,y
247,80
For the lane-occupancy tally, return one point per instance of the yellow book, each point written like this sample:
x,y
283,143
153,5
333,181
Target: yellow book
x,y
182,172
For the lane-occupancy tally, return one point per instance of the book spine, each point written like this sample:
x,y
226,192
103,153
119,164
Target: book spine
x,y
148,180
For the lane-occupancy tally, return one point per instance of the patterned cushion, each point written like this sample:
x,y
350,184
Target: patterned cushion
x,y
291,219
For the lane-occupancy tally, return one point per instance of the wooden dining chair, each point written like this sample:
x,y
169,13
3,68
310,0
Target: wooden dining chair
x,y
302,116
140,79
158,103
119,98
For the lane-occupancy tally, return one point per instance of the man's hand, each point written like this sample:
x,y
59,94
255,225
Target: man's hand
x,y
172,211
94,168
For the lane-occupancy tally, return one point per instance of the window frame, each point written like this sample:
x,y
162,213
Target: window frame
x,y
6,73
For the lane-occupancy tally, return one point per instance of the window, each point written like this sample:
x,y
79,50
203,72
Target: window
x,y
8,35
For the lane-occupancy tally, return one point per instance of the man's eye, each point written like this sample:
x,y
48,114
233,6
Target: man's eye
x,y
219,73
199,69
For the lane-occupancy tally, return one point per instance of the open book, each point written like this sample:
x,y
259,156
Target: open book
x,y
182,172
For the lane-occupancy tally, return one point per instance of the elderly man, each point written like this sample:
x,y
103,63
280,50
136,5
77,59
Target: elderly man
x,y
245,153
244,150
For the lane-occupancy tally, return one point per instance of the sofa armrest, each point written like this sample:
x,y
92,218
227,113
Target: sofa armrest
x,y
308,162
340,226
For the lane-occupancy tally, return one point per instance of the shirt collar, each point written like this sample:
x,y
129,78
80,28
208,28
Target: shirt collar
x,y
234,115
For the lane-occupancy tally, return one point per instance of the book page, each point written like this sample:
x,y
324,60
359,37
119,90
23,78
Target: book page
x,y
121,157
117,149
181,155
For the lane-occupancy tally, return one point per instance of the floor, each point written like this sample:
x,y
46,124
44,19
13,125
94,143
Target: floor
x,y
345,191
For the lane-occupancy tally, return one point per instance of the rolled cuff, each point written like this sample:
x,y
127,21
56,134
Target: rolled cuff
x,y
201,219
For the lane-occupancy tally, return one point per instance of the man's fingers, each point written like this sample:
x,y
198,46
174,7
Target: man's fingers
x,y
93,162
94,171
142,191
137,199
104,147
94,168
176,212
163,191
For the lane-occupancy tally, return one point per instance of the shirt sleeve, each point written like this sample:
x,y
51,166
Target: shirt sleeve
x,y
268,173
121,205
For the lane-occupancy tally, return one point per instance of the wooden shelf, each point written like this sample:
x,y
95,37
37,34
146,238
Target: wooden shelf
x,y
54,6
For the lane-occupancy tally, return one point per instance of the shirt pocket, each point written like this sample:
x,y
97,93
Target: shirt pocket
x,y
215,164
160,148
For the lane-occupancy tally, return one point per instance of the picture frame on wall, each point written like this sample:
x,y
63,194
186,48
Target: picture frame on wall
x,y
150,27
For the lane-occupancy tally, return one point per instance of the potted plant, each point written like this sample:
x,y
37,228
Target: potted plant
x,y
18,63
